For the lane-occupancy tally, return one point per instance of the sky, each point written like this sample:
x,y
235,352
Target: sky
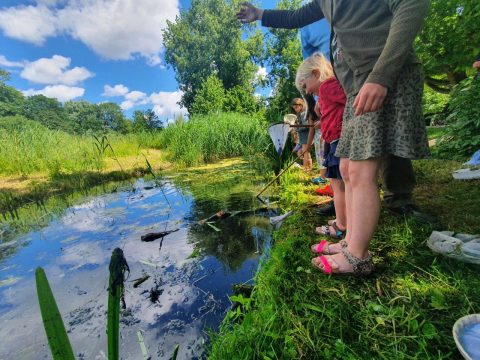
x,y
96,50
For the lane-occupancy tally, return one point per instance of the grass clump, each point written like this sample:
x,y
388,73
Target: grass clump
x,y
209,138
405,310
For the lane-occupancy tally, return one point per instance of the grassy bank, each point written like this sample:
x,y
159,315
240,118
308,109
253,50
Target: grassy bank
x,y
406,310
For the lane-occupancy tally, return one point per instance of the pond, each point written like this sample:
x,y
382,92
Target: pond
x,y
190,271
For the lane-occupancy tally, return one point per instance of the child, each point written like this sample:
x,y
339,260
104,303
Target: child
x,y
300,109
372,51
315,76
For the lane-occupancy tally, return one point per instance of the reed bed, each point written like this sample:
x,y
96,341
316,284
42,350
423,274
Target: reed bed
x,y
205,139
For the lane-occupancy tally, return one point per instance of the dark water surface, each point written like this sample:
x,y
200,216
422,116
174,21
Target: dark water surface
x,y
191,271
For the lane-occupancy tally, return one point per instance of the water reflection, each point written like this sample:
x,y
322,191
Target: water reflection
x,y
191,293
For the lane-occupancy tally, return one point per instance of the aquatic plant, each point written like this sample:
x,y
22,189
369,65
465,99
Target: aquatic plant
x,y
118,266
52,320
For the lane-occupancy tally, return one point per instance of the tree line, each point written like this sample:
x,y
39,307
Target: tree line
x,y
75,117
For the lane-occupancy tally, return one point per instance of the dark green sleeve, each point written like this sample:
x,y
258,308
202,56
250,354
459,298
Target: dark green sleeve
x,y
408,17
292,19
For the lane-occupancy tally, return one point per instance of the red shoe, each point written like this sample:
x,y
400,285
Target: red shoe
x,y
325,191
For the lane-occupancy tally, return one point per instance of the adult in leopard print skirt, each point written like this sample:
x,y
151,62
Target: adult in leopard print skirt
x,y
374,60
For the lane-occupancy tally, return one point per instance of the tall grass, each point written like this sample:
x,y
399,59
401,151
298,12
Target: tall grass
x,y
213,137
27,147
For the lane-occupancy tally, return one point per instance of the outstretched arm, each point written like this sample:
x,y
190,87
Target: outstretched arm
x,y
286,19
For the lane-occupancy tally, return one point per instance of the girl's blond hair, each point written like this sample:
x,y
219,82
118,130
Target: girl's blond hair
x,y
315,62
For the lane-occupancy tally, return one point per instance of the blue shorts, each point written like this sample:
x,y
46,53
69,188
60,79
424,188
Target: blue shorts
x,y
332,162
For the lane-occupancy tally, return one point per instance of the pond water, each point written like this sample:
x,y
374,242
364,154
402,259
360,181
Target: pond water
x,y
191,270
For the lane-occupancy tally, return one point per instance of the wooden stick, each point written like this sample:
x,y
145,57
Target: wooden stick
x,y
276,177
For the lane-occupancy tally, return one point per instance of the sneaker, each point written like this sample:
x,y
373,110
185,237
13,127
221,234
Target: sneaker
x,y
328,210
411,211
319,180
325,191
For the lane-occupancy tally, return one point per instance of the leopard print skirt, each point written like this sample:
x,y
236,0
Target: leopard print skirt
x,y
398,128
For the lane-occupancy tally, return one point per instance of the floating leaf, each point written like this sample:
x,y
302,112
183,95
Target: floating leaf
x,y
9,281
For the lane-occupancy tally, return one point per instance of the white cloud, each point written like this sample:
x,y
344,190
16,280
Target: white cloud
x,y
7,63
165,103
60,92
127,104
114,29
135,96
54,71
113,91
32,24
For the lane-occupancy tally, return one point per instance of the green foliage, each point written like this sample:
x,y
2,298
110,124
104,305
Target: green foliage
x,y
284,56
84,115
207,39
48,112
449,42
113,118
210,97
52,320
213,137
462,134
146,121
435,109
11,100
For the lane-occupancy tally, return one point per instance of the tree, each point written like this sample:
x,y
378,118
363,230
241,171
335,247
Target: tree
x,y
49,112
449,42
11,100
84,115
210,97
146,120
284,55
112,117
207,40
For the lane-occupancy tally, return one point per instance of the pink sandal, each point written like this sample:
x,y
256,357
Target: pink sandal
x,y
360,267
323,247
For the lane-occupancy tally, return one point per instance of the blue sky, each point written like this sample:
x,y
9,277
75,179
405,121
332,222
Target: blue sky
x,y
97,50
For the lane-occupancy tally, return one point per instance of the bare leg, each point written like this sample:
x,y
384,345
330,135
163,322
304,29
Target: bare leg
x,y
307,158
338,188
344,165
363,210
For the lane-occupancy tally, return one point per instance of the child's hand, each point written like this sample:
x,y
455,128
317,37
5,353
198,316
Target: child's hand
x,y
370,98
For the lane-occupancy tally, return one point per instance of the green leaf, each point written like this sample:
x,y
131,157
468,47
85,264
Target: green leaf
x,y
175,352
437,300
429,331
52,320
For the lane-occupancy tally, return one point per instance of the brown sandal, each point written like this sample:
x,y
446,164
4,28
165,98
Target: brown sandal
x,y
325,230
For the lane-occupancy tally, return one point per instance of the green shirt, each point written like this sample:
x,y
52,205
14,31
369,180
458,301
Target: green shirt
x,y
375,36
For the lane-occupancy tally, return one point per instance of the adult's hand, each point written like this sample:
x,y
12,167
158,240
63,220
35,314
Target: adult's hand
x,y
370,98
317,124
249,13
